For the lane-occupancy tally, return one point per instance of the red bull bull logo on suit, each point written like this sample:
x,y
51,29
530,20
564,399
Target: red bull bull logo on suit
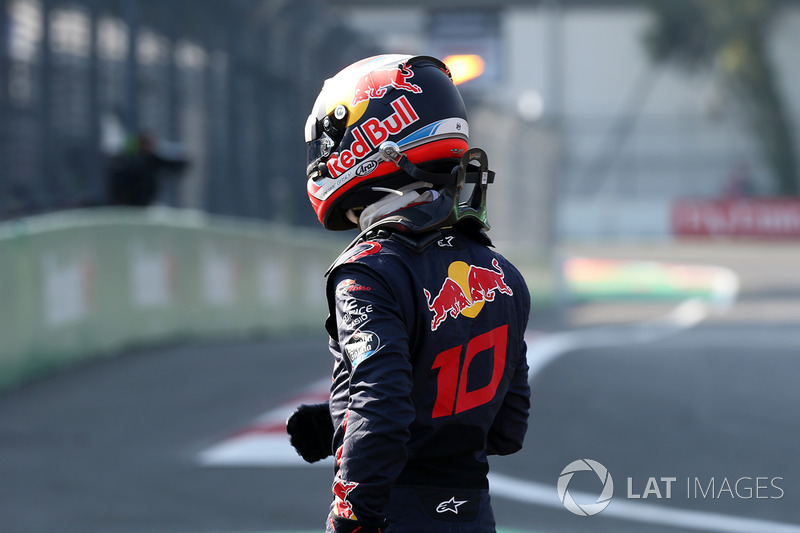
x,y
465,290
342,489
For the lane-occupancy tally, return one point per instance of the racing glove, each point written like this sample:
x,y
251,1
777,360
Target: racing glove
x,y
310,430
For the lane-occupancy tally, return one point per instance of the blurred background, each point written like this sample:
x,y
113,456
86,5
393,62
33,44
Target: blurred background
x,y
153,207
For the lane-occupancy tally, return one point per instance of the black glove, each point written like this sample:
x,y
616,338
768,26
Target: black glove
x,y
345,525
310,430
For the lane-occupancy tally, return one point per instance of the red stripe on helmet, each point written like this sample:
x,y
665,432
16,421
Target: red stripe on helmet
x,y
433,151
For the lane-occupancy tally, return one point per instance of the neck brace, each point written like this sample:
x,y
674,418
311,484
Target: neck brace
x,y
395,201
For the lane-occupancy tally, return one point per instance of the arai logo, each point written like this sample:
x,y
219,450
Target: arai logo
x,y
366,168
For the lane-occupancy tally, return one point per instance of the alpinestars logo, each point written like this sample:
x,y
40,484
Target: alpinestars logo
x,y
450,505
465,290
446,242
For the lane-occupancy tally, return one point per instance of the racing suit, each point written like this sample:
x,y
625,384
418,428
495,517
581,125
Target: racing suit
x,y
430,376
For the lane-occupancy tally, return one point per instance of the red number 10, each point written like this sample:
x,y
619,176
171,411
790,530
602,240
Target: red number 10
x,y
452,396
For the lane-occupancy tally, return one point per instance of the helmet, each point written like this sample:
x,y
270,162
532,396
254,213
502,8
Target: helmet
x,y
381,124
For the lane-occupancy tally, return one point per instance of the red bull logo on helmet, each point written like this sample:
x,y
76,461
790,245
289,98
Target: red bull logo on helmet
x,y
369,135
376,83
465,290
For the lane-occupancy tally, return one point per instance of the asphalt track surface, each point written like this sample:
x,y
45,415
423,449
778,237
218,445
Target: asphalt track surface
x,y
112,446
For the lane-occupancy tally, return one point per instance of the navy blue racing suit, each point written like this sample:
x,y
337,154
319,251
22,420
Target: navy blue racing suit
x,y
430,376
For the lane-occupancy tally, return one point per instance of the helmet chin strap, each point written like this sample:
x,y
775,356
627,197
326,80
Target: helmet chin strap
x,y
391,152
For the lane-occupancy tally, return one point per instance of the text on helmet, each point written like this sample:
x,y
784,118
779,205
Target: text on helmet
x,y
371,134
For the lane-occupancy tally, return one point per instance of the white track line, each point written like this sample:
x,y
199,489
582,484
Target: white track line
x,y
689,313
541,494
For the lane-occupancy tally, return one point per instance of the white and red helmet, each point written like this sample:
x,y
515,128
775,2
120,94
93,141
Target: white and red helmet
x,y
372,123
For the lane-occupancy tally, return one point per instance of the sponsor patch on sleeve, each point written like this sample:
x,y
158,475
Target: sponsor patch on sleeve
x,y
349,286
361,346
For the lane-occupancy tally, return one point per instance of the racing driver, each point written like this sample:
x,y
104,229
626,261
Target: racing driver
x,y
426,320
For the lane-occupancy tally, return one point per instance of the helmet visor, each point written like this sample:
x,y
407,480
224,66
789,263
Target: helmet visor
x,y
316,150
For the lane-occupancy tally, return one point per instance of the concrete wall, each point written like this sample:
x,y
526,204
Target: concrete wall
x,y
88,283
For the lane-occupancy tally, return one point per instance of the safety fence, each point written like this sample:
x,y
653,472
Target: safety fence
x,y
228,82
88,283
83,283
